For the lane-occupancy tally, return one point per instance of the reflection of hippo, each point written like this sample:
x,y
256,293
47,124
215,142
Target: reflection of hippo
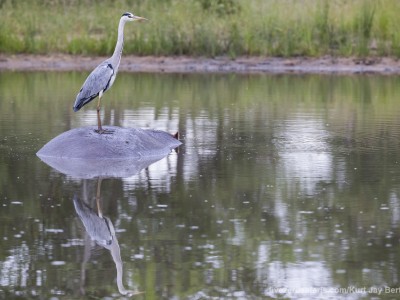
x,y
83,153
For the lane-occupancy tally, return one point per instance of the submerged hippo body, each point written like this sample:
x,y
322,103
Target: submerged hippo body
x,y
81,152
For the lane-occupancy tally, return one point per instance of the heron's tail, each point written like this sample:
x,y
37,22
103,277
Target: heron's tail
x,y
81,101
78,104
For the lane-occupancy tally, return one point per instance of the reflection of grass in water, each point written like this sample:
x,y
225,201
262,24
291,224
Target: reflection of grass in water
x,y
201,27
249,183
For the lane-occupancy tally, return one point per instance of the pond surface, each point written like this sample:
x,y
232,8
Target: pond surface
x,y
286,186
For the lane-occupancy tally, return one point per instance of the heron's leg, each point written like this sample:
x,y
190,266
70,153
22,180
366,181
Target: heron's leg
x,y
99,128
98,200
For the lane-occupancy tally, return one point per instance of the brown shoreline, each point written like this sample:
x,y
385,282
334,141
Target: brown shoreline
x,y
183,64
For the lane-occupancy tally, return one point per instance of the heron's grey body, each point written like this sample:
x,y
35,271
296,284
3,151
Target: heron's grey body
x,y
103,76
99,81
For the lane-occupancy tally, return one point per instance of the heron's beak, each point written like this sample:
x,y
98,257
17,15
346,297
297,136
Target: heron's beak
x,y
140,19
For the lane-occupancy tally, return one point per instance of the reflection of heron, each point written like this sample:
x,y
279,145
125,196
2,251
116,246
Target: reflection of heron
x,y
102,78
101,230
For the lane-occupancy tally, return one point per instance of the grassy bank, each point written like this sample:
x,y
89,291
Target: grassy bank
x,y
203,27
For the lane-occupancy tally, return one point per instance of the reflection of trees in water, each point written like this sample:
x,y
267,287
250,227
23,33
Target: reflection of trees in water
x,y
234,194
237,209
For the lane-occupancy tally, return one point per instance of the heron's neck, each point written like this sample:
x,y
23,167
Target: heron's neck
x,y
116,57
116,255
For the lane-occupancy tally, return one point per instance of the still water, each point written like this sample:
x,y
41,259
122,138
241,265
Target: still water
x,y
286,186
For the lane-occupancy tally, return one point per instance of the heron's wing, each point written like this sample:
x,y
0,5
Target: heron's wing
x,y
98,81
98,228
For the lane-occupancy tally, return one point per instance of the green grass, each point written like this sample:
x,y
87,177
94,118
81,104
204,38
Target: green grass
x,y
282,28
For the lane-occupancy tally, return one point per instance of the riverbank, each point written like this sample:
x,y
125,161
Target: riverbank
x,y
182,64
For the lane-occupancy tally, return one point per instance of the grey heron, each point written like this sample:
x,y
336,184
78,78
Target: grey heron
x,y
103,76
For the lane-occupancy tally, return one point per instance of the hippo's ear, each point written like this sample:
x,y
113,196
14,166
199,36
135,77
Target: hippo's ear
x,y
176,135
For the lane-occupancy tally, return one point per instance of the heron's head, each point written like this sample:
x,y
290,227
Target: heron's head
x,y
131,17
